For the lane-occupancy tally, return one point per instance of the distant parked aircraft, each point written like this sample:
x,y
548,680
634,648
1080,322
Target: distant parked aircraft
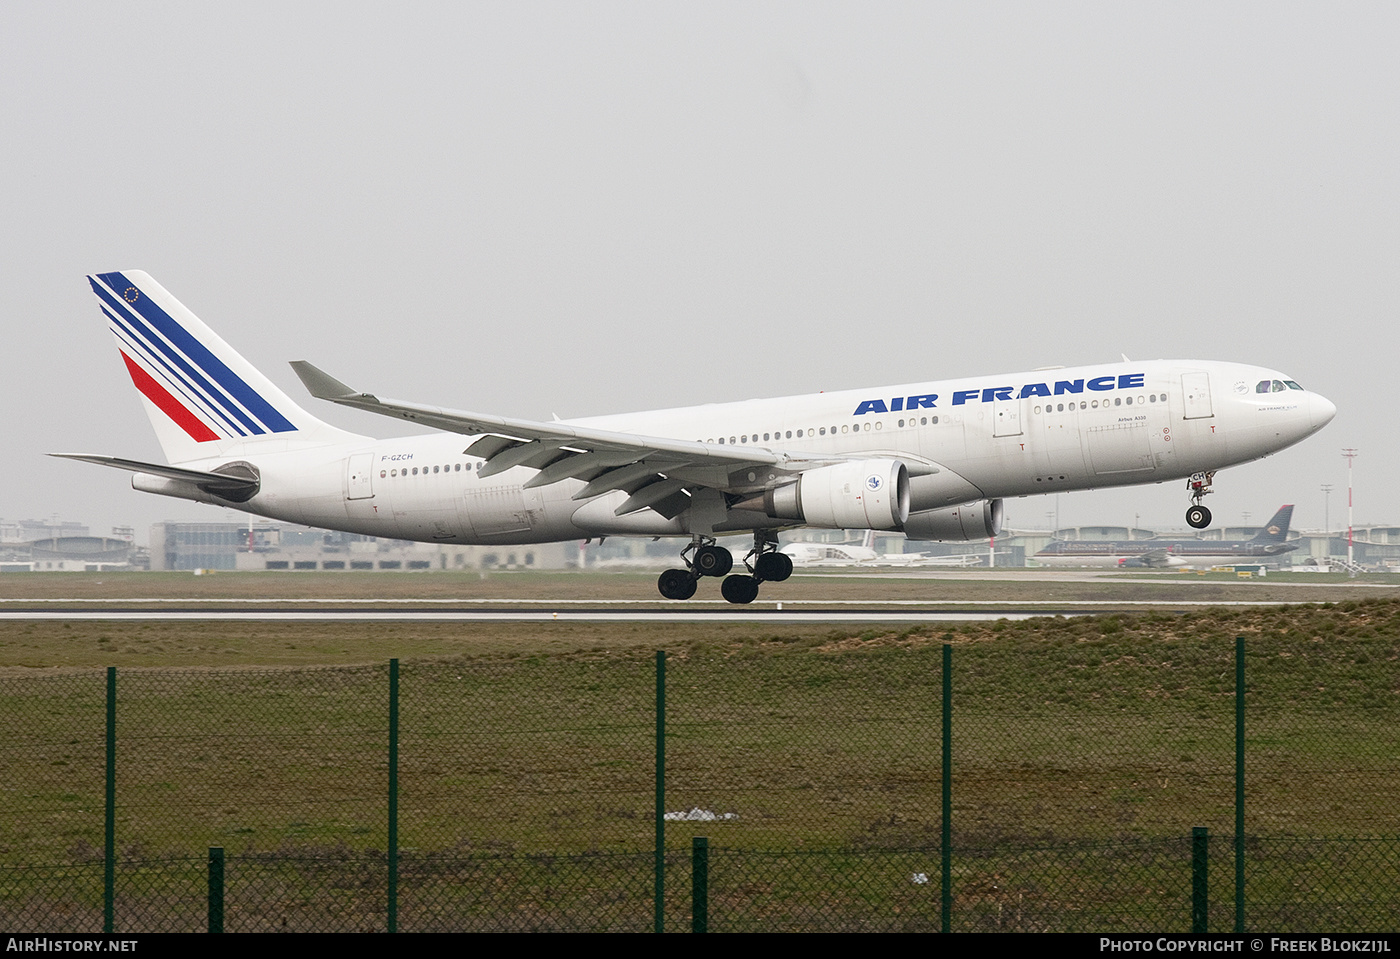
x,y
864,554
1268,545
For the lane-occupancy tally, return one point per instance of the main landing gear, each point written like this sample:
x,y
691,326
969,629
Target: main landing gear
x,y
1198,517
709,560
763,562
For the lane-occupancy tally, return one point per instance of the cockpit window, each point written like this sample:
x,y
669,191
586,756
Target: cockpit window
x,y
1278,386
1292,385
1263,386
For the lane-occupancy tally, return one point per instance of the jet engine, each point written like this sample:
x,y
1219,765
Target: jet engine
x,y
978,520
861,494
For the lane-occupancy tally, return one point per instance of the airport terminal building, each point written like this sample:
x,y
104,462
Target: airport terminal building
x,y
275,546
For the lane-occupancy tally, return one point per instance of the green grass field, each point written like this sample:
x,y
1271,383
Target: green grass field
x,y
537,741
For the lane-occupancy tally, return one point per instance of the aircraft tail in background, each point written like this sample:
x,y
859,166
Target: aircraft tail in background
x,y
1276,529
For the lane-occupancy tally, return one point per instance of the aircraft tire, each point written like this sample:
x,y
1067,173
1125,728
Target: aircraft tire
x,y
713,561
739,589
676,584
773,567
1198,517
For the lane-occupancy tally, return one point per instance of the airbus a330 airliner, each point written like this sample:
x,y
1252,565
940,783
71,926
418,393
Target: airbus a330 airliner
x,y
934,460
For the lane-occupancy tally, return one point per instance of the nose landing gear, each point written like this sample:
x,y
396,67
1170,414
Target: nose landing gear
x,y
1198,517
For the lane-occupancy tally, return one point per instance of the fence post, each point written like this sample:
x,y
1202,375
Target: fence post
x,y
392,923
699,884
1239,784
1200,889
946,840
216,889
659,863
109,843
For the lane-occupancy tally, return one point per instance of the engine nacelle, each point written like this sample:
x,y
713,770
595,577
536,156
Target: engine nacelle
x,y
861,494
978,520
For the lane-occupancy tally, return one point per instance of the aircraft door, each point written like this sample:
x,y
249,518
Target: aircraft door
x,y
1006,417
359,476
1195,391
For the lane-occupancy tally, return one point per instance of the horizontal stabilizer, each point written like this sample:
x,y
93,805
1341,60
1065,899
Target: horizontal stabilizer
x,y
212,482
321,384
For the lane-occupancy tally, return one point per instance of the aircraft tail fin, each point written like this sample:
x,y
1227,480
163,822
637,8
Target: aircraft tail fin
x,y
1276,529
203,398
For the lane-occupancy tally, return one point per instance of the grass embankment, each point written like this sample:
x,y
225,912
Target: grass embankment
x,y
540,737
535,743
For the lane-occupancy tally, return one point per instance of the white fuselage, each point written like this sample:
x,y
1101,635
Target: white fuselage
x,y
972,439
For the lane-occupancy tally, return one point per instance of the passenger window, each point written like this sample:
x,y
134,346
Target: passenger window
x,y
435,469
923,420
1129,401
381,474
1117,401
935,419
844,429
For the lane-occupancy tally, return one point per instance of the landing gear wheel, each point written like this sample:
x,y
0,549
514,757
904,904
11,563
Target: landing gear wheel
x,y
713,561
773,567
676,584
1198,517
739,589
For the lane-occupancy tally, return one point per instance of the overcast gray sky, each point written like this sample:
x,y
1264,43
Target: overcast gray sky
x,y
582,208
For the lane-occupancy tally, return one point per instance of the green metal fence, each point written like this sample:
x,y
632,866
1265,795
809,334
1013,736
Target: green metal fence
x,y
918,788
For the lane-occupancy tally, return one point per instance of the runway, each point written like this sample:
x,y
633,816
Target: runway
x,y
539,611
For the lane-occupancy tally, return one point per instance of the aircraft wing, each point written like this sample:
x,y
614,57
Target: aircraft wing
x,y
1156,558
655,471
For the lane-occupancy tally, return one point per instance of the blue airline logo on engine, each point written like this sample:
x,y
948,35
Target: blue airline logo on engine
x,y
989,394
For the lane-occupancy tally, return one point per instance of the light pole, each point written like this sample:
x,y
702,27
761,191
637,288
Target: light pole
x,y
1351,455
1327,515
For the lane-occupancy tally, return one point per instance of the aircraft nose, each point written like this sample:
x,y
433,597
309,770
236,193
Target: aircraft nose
x,y
1320,410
